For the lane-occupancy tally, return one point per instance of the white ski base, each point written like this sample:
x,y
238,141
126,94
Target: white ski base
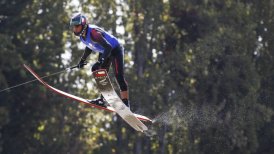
x,y
106,88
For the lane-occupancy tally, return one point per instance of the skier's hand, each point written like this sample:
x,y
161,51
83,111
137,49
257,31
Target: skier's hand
x,y
101,61
81,64
98,64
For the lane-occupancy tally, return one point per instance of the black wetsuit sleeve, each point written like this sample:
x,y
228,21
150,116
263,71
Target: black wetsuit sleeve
x,y
86,53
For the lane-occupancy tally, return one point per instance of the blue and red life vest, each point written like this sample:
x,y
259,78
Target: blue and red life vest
x,y
94,46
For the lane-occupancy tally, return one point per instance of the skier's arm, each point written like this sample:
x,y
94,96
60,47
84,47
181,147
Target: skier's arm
x,y
86,53
84,57
97,36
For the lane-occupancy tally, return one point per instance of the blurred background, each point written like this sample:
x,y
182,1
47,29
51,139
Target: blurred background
x,y
202,69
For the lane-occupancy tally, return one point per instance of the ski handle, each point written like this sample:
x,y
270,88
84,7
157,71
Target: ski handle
x,y
75,66
70,68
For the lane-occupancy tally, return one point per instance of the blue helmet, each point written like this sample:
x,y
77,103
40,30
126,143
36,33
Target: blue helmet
x,y
79,19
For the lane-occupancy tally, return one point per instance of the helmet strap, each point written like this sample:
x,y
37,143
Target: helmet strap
x,y
83,30
84,27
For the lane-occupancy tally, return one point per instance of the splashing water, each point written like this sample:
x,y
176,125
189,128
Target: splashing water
x,y
182,117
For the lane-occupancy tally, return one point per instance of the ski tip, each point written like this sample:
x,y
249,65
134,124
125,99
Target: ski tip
x,y
142,118
148,120
26,66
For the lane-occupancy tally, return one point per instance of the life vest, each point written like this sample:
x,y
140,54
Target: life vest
x,y
94,46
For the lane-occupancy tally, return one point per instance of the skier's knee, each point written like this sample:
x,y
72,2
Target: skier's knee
x,y
94,68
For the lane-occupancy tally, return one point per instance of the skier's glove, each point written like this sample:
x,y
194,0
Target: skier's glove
x,y
101,61
98,64
82,63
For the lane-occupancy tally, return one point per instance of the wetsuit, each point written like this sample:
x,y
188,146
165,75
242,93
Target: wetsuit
x,y
110,52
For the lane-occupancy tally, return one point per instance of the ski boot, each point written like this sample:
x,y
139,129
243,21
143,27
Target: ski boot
x,y
99,101
126,102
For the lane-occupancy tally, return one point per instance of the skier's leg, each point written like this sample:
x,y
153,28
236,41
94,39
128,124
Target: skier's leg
x,y
118,67
100,100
